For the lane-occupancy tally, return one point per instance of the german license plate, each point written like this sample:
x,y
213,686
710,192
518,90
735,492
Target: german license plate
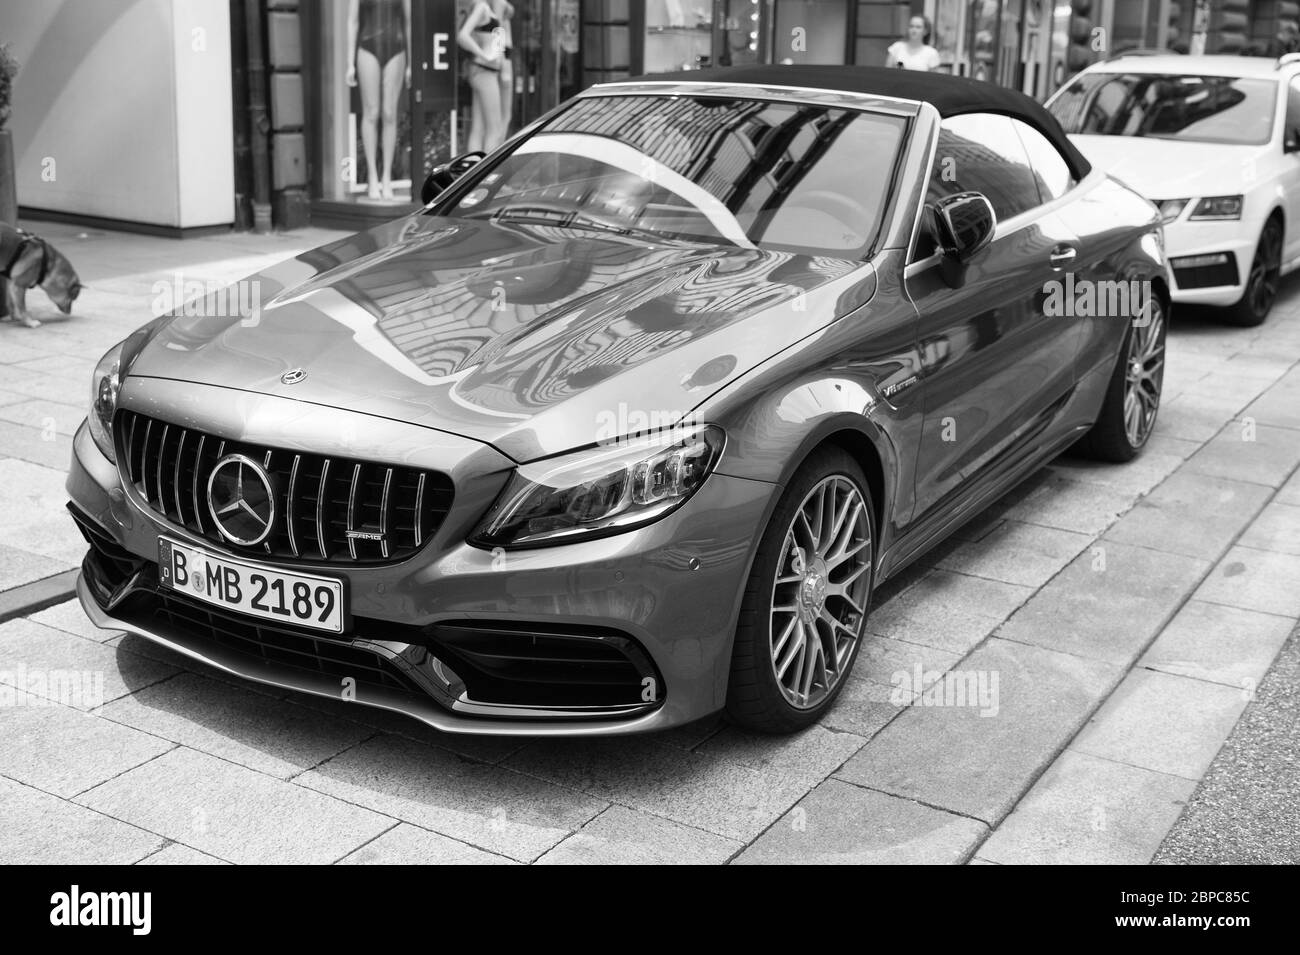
x,y
305,600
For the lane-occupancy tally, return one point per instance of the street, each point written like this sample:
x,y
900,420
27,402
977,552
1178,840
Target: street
x,y
1129,631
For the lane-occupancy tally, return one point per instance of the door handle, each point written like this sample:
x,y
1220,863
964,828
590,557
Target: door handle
x,y
1061,256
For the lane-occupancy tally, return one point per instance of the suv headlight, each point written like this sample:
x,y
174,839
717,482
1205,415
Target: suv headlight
x,y
1171,209
1217,207
602,490
104,385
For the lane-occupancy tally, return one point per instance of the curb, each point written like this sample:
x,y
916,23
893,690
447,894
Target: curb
x,y
39,594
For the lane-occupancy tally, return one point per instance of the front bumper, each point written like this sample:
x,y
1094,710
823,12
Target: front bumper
x,y
1217,285
666,596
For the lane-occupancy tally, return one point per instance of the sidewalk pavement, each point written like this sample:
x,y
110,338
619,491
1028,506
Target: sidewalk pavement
x,y
1120,620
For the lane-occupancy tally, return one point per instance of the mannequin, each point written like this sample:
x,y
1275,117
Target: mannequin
x,y
485,36
379,60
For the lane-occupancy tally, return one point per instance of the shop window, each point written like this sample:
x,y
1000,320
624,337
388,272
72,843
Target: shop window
x,y
678,35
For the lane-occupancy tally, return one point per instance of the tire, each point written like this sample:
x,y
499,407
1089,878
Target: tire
x,y
805,598
1116,436
1261,284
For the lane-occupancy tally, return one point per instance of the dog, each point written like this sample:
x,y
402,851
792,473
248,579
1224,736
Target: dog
x,y
27,260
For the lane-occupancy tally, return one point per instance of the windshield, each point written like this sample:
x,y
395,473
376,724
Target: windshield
x,y
1202,109
785,176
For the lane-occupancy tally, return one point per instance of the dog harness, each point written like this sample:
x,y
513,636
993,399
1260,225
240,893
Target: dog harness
x,y
12,243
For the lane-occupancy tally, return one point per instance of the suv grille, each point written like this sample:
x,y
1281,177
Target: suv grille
x,y
390,511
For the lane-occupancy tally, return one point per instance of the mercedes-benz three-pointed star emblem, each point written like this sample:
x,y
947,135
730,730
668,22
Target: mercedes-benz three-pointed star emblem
x,y
241,500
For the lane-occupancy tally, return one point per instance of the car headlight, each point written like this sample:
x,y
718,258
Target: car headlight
x,y
1170,209
104,385
602,490
1217,207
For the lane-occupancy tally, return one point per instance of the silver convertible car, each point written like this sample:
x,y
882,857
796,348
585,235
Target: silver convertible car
x,y
626,425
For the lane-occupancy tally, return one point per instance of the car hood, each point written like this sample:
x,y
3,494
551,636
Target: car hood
x,y
534,339
1168,169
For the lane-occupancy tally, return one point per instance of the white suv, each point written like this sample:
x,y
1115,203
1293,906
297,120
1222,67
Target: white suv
x,y
1214,141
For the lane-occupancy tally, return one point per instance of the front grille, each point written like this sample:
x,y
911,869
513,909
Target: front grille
x,y
337,510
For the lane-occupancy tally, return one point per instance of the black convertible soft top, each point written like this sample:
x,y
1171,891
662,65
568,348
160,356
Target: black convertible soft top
x,y
950,95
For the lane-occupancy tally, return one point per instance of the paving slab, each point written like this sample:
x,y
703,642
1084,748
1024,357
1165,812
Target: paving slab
x,y
1108,604
70,618
18,567
951,757
1220,644
1255,580
1089,811
1165,723
842,824
1196,515
1277,529
701,790
41,829
71,670
35,445
405,844
1247,451
1279,407
65,751
952,612
622,836
1017,553
235,813
176,854
509,813
1070,505
809,755
1192,418
252,729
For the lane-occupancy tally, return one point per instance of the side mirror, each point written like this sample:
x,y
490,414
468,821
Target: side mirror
x,y
964,224
443,175
1291,142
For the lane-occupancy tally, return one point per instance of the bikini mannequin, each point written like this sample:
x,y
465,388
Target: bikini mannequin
x,y
485,35
379,34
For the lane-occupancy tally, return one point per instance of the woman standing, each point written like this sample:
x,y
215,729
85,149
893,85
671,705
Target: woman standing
x,y
485,36
914,51
379,60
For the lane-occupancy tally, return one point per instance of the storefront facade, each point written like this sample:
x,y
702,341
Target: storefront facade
x,y
558,47
299,129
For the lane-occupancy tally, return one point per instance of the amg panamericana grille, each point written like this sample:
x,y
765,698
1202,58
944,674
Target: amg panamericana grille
x,y
337,510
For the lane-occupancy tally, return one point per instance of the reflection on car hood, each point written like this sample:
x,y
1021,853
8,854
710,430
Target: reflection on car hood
x,y
532,338
1169,169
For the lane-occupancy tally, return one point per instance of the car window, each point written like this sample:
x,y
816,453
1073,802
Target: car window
x,y
785,176
981,152
1051,171
1292,109
1190,108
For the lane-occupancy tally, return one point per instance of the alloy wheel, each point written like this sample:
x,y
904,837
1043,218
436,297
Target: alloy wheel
x,y
821,590
1265,269
1144,376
